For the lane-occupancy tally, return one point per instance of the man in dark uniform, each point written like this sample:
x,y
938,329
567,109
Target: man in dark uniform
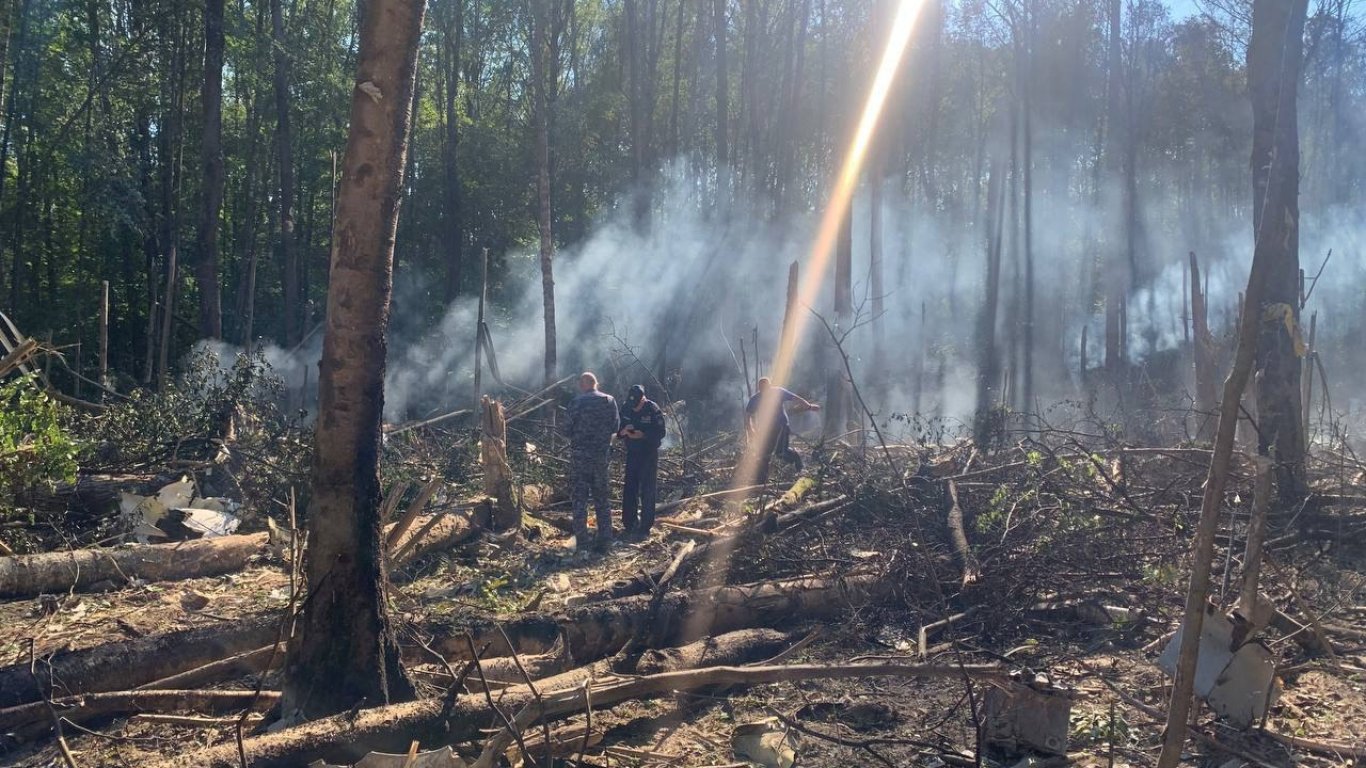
x,y
642,427
592,420
766,420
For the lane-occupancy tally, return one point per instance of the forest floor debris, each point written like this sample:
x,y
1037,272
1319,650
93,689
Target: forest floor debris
x,y
1077,554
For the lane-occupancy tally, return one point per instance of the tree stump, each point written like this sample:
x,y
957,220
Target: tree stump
x,y
498,481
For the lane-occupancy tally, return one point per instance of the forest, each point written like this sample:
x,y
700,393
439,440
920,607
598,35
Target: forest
x,y
986,376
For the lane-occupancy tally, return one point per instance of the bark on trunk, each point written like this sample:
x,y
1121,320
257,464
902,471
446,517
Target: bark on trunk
x,y
57,572
210,297
1276,28
498,485
284,147
722,99
345,651
452,38
539,23
1205,394
127,665
1274,59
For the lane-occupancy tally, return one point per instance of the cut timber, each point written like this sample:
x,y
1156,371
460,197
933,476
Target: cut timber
x,y
434,721
87,707
56,572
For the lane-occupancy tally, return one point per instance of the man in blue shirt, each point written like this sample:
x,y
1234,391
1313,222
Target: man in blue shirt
x,y
642,429
766,421
591,422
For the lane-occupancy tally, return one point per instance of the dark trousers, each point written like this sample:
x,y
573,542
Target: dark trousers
x,y
780,445
642,474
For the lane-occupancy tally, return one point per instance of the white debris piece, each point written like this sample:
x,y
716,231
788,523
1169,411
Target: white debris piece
x,y
175,514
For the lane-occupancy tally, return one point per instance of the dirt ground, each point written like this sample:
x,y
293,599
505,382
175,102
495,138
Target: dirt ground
x,y
1129,549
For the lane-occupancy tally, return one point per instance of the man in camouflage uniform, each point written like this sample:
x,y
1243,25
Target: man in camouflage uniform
x,y
592,421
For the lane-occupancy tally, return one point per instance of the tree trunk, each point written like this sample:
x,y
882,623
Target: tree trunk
x,y
1203,349
539,22
498,480
1274,59
722,100
210,297
58,572
452,38
1116,272
346,652
989,361
284,147
836,395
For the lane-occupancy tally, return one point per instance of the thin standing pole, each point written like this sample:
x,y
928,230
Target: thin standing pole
x,y
104,335
1310,355
744,365
758,360
479,329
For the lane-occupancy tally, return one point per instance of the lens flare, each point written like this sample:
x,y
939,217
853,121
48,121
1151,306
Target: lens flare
x,y
813,272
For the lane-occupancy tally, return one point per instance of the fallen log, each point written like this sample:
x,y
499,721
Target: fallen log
x,y
90,706
464,717
126,665
57,572
588,632
434,721
594,631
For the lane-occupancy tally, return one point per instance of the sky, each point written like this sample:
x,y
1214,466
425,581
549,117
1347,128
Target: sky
x,y
1182,8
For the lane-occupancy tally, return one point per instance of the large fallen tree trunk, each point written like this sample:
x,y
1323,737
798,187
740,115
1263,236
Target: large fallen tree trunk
x,y
436,721
57,572
83,569
735,648
127,665
87,707
589,633
595,631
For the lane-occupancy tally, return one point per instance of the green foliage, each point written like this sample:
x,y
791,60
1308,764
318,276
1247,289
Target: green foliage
x,y
35,449
189,417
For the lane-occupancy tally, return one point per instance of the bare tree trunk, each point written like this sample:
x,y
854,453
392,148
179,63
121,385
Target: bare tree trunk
x,y
1027,158
284,147
346,652
1204,357
837,401
722,99
1274,60
1273,73
1116,272
452,38
989,362
210,296
539,21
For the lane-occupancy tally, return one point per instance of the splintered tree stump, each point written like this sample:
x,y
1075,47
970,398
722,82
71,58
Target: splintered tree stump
x,y
498,480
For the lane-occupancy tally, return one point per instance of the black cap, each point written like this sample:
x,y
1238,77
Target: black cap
x,y
636,392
